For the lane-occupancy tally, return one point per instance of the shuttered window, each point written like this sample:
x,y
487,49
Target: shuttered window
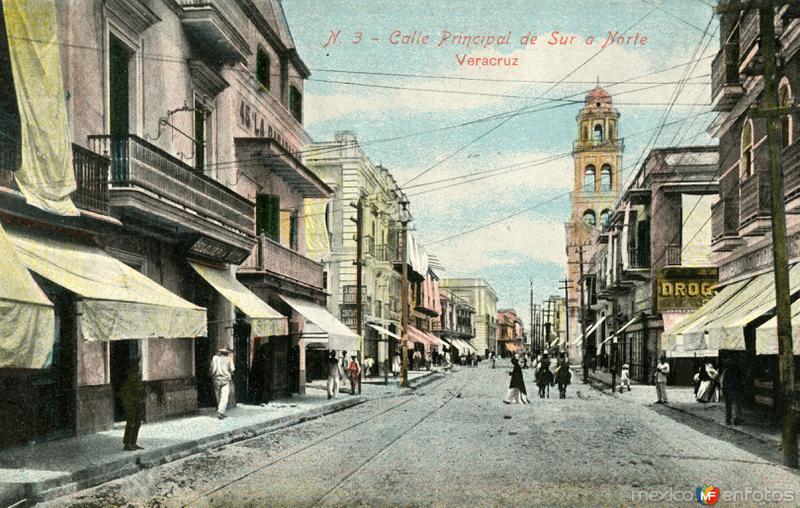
x,y
268,216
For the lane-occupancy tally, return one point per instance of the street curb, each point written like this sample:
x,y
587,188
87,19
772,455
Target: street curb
x,y
27,494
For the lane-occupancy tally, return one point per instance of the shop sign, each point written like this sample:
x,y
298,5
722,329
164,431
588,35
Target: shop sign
x,y
681,288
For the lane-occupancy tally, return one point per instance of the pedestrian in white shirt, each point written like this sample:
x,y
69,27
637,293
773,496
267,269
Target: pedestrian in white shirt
x,y
222,374
662,370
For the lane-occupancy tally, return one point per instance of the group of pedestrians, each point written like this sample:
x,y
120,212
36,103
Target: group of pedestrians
x,y
341,369
546,374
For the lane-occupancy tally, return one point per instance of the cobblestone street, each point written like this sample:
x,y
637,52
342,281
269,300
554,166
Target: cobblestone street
x,y
454,443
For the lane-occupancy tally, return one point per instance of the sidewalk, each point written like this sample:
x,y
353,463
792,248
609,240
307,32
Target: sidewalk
x,y
372,386
47,470
681,399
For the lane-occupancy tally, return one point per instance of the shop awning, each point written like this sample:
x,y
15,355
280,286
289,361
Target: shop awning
x,y
264,320
27,321
417,336
383,331
726,331
590,331
340,337
117,301
621,330
767,334
510,346
676,339
464,346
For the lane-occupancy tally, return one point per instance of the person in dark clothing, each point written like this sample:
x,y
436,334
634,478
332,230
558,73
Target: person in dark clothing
x,y
516,388
261,375
731,391
132,393
563,378
543,376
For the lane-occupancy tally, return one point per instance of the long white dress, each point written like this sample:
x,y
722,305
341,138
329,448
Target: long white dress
x,y
708,388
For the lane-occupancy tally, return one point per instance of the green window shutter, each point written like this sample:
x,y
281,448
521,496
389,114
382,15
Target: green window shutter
x,y
293,231
262,213
274,228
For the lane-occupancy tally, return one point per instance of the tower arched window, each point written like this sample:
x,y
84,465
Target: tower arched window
x,y
787,121
606,179
746,164
605,218
589,178
598,132
589,218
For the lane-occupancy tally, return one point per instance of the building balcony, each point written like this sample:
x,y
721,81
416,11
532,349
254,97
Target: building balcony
x,y
791,172
272,258
368,246
161,191
349,294
639,258
726,90
385,253
725,224
751,62
754,204
216,26
672,255
91,177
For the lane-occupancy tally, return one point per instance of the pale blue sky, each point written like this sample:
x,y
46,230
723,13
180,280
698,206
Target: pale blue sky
x,y
530,245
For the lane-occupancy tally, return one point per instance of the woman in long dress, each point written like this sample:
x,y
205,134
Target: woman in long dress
x,y
516,388
707,392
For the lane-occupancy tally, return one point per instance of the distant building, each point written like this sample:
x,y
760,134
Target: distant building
x,y
510,332
482,297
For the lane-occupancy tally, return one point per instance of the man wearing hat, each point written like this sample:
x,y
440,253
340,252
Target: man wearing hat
x,y
221,372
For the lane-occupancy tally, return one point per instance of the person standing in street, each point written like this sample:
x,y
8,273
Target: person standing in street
x,y
354,370
396,365
543,375
132,394
416,358
222,374
662,371
563,378
625,377
334,374
516,387
731,392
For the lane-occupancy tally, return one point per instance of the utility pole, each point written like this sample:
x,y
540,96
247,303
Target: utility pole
x,y
404,220
535,326
780,253
359,264
566,309
531,323
548,323
584,360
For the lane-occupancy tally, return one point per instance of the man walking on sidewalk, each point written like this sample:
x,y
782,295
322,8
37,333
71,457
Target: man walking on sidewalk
x,y
221,372
131,394
662,370
355,375
334,374
731,381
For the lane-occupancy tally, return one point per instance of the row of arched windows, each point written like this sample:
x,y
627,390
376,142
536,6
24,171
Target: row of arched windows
x,y
590,219
748,142
590,178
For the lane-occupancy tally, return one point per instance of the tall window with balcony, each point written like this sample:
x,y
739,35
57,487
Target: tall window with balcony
x,y
746,166
296,103
787,121
119,60
268,215
263,68
202,136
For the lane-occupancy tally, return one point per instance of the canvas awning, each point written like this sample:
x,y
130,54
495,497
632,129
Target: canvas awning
x,y
621,329
420,337
464,346
340,337
510,346
675,340
383,331
726,331
117,302
767,334
590,331
27,320
264,320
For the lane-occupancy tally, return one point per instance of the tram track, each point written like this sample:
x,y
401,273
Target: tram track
x,y
322,440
